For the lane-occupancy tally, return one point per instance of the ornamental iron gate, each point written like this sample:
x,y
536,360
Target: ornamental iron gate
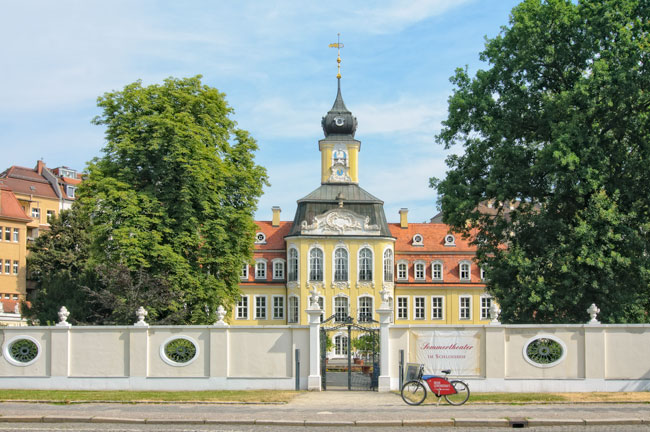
x,y
349,354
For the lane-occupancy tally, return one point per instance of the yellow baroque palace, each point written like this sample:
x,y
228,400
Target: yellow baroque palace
x,y
340,245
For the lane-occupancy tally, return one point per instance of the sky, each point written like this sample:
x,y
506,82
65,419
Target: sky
x,y
271,59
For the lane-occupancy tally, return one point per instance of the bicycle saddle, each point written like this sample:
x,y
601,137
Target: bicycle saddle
x,y
446,371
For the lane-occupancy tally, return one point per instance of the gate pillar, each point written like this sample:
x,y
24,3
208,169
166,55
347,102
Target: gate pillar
x,y
385,315
314,380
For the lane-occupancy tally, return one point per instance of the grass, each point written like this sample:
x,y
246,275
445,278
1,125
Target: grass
x,y
65,396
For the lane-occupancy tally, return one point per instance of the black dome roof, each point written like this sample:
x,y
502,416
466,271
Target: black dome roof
x,y
339,120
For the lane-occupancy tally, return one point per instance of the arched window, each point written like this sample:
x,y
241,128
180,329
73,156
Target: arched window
x,y
464,270
293,309
341,345
315,265
365,264
436,271
388,265
340,265
292,275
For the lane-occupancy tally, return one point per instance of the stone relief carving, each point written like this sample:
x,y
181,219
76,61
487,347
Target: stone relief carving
x,y
341,285
339,221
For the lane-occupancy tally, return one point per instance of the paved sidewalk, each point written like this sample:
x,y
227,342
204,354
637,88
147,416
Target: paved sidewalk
x,y
333,408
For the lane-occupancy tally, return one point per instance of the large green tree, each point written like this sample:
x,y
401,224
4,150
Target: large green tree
x,y
170,202
556,134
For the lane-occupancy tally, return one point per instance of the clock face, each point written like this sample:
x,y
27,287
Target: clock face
x,y
339,121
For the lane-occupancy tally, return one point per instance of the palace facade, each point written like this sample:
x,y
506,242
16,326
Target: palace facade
x,y
340,245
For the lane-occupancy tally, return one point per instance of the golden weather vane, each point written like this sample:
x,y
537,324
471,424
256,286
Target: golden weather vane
x,y
338,45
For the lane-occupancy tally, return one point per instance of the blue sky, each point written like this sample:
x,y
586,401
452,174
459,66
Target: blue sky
x,y
271,59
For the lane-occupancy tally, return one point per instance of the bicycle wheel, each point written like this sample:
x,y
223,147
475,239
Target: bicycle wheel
x,y
461,395
414,393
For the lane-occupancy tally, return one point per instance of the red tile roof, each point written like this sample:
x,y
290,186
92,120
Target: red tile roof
x,y
27,181
274,235
433,238
10,208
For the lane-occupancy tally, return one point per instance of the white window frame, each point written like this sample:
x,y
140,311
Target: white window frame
x,y
416,308
401,308
335,309
460,308
450,240
415,270
265,309
322,263
433,271
242,310
372,308
293,312
16,236
406,272
36,213
278,262
70,191
483,273
290,276
442,308
244,272
347,263
461,264
7,266
340,340
7,234
275,315
372,264
15,267
483,309
391,265
260,275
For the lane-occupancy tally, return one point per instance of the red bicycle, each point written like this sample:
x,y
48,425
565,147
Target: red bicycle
x,y
455,392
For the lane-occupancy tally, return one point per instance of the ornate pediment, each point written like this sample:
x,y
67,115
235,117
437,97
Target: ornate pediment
x,y
340,221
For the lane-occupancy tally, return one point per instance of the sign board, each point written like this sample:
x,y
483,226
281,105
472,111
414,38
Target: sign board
x,y
458,350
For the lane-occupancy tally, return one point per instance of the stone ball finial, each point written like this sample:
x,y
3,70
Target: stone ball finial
x,y
593,312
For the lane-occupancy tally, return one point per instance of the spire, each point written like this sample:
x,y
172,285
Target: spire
x,y
339,120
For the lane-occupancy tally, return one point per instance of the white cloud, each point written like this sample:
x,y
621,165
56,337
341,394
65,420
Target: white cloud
x,y
411,114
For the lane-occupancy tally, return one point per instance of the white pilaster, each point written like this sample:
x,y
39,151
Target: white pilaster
x,y
385,315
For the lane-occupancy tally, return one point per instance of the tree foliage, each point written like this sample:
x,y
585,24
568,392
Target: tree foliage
x,y
169,203
556,134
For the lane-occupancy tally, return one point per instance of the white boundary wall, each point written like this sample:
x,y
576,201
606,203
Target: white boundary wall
x,y
130,358
596,357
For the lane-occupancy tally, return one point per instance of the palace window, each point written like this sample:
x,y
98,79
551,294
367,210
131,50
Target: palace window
x,y
365,264
436,308
465,308
8,234
242,308
486,303
260,238
315,265
16,236
419,308
293,265
365,309
402,270
278,307
388,265
419,271
341,345
293,309
260,269
464,270
7,266
244,272
402,308
278,269
340,265
15,267
436,271
341,308
260,307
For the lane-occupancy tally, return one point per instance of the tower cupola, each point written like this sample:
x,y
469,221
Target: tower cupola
x,y
339,120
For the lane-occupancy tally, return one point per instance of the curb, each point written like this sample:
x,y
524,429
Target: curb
x,y
459,422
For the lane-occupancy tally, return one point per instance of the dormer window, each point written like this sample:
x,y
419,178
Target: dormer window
x,y
69,190
464,270
450,240
418,240
260,238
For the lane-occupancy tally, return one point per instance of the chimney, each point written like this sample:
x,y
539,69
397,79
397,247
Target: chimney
x,y
403,218
39,167
276,216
